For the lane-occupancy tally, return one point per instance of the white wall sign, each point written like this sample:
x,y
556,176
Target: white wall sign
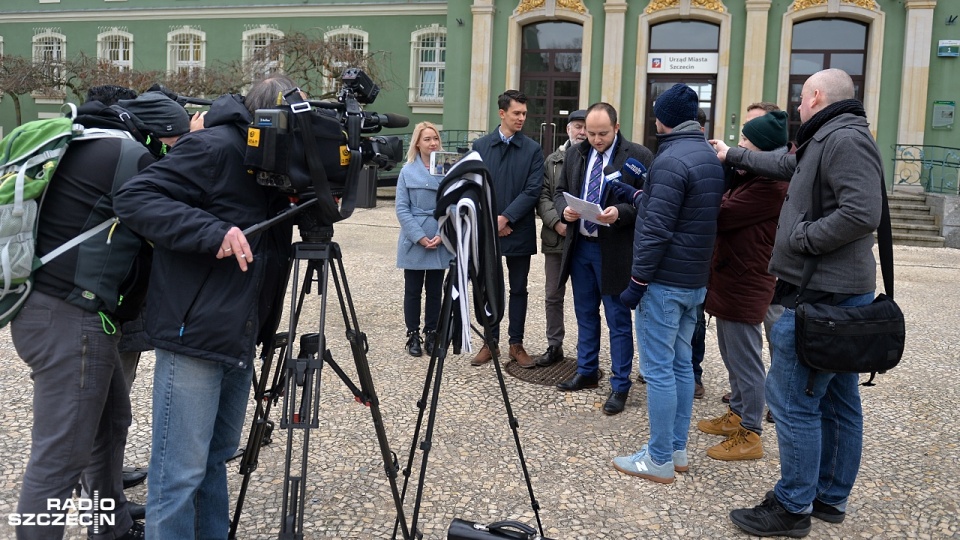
x,y
682,62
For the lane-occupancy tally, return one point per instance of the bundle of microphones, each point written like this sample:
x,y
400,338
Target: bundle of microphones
x,y
634,172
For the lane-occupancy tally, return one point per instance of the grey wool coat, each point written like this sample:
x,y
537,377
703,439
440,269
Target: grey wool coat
x,y
851,176
550,241
416,201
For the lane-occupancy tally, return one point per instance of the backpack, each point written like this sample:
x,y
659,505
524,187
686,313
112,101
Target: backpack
x,y
29,156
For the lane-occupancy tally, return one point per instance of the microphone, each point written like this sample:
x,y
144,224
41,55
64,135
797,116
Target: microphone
x,y
611,174
388,120
634,169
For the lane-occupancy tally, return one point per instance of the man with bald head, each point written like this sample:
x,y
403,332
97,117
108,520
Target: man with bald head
x,y
820,435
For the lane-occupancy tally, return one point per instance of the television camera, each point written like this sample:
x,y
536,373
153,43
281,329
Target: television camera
x,y
315,150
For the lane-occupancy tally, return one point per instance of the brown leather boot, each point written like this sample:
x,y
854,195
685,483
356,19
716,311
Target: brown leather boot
x,y
518,353
482,357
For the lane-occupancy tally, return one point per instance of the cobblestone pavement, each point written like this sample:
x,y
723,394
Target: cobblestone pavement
x,y
906,487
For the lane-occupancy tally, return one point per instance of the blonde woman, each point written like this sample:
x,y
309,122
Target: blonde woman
x,y
419,252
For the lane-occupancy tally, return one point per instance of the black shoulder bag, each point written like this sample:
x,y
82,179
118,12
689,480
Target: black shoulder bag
x,y
501,530
864,339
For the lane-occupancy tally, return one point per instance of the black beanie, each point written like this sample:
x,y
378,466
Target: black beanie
x,y
163,116
676,105
767,132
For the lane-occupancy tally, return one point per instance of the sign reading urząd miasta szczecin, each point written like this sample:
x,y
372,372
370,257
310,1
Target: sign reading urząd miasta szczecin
x,y
682,62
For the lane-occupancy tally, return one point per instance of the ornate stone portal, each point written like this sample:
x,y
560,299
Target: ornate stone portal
x,y
529,5
685,5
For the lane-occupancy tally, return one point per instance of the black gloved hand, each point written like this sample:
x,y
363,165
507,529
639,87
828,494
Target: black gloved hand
x,y
624,192
633,294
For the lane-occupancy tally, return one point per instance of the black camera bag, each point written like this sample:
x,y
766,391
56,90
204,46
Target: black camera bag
x,y
512,530
863,339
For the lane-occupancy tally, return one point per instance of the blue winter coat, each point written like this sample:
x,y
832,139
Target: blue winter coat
x,y
517,172
416,201
677,215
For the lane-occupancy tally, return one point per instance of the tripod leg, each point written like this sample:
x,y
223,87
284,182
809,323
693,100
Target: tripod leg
x,y
514,426
359,347
262,427
300,407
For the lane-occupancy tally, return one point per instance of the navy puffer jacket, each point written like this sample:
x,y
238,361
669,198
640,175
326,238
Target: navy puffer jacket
x,y
677,214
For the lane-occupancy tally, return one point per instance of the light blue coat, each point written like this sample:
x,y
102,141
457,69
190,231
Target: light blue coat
x,y
416,201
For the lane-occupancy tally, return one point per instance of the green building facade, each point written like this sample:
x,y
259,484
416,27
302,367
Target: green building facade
x,y
447,61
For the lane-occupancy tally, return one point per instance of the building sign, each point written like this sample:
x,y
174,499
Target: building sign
x,y
948,47
943,114
682,62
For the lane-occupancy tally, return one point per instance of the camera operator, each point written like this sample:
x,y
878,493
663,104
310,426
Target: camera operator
x,y
67,331
210,302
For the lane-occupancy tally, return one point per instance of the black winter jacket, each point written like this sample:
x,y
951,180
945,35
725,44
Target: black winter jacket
x,y
677,214
517,172
199,305
615,252
96,275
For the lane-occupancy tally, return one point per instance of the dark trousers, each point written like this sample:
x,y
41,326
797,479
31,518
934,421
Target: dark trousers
x,y
698,343
413,285
553,294
81,412
585,279
518,269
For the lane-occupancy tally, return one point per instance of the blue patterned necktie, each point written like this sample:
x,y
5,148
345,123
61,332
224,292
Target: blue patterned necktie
x,y
593,190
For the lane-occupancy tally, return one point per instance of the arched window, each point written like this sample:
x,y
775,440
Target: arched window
x,y
116,46
353,39
186,49
428,58
255,41
821,44
352,52
49,52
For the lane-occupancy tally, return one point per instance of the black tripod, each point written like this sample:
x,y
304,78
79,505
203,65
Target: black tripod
x,y
297,380
447,334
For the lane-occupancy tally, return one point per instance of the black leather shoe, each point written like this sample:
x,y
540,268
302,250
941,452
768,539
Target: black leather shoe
x,y
553,355
615,403
429,341
579,382
133,476
135,532
137,511
413,343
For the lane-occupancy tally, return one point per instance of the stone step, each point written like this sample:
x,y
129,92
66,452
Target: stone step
x,y
909,208
910,228
917,240
917,219
900,196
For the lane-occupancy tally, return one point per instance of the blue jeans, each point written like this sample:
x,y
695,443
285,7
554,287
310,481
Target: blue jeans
x,y
198,412
585,280
669,316
820,436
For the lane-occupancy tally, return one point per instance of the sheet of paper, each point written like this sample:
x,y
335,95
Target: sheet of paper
x,y
587,210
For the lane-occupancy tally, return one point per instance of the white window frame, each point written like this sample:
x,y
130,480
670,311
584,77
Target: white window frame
x,y
198,42
40,39
419,67
106,39
256,39
352,36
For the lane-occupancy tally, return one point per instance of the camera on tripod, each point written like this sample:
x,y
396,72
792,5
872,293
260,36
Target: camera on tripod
x,y
299,142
